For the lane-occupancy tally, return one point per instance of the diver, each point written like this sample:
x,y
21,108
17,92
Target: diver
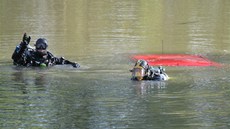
x,y
25,55
142,71
157,73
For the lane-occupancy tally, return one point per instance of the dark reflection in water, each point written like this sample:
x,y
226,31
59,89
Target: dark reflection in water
x,y
20,77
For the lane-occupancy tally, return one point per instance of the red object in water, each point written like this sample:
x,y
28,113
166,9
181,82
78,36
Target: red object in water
x,y
175,60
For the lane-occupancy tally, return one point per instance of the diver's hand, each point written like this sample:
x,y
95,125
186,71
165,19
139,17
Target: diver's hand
x,y
75,65
26,39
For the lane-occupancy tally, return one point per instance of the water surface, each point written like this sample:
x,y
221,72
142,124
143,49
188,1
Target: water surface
x,y
102,35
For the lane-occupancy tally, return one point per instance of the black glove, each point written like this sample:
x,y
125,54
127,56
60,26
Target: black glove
x,y
75,65
25,40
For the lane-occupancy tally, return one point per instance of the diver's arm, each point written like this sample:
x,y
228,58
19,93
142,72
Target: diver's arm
x,y
62,60
20,49
74,64
150,74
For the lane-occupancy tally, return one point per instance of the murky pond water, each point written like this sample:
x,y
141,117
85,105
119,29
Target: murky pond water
x,y
102,35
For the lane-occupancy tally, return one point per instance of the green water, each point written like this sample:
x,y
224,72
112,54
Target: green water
x,y
101,35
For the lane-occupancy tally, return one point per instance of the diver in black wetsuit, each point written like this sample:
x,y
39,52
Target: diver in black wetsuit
x,y
142,71
25,55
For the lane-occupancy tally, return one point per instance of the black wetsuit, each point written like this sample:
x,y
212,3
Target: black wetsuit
x,y
152,74
26,56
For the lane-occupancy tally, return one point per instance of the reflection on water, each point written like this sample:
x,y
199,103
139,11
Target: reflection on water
x,y
148,87
19,77
101,35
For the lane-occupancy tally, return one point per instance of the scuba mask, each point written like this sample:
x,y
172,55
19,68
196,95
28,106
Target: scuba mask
x,y
138,73
41,46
